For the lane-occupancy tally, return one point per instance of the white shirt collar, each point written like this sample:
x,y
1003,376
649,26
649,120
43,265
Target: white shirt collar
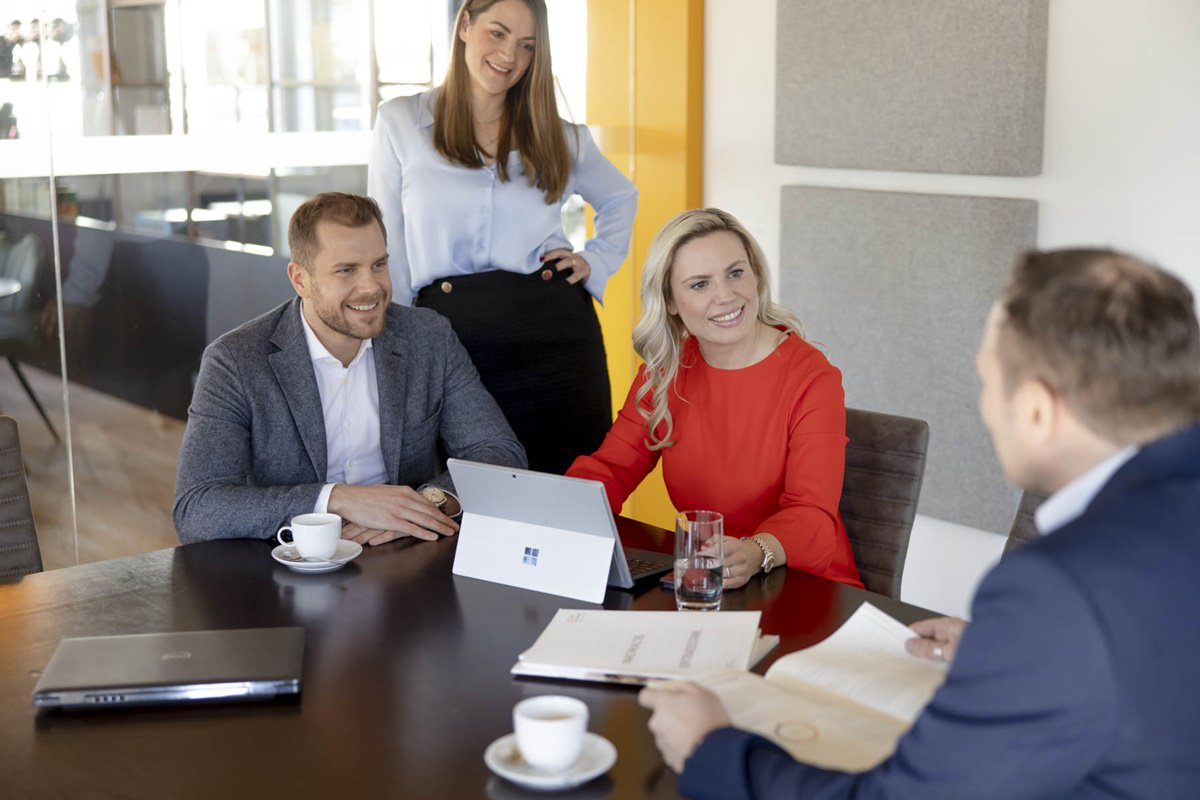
x,y
1073,499
318,351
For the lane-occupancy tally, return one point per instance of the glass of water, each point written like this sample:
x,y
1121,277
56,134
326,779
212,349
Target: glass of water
x,y
699,560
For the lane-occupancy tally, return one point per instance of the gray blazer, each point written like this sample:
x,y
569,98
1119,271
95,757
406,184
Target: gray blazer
x,y
254,456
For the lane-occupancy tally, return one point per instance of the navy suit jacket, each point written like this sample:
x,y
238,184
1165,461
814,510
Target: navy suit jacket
x,y
1079,676
254,455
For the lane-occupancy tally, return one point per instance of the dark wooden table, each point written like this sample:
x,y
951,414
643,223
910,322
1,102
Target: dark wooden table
x,y
405,678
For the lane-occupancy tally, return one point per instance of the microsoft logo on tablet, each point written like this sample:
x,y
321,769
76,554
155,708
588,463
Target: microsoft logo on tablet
x,y
531,556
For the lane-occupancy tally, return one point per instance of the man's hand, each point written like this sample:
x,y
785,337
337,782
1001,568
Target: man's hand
x,y
381,513
936,638
683,715
368,536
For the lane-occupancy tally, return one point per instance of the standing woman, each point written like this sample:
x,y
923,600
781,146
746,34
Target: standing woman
x,y
471,178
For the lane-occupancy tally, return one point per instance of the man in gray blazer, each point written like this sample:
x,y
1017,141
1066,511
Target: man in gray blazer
x,y
335,401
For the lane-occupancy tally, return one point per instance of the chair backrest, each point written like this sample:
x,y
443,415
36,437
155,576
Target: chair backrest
x,y
19,552
1023,529
21,260
885,465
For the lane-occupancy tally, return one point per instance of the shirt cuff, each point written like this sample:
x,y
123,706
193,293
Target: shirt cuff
x,y
322,504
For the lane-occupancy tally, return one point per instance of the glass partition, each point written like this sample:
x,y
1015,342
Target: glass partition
x,y
151,154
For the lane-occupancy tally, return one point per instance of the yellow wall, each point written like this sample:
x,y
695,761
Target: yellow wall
x,y
645,91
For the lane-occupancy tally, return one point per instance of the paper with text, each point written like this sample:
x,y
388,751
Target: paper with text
x,y
609,645
840,704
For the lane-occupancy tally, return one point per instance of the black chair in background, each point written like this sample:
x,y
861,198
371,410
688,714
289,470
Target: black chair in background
x,y
1023,529
19,551
21,261
885,465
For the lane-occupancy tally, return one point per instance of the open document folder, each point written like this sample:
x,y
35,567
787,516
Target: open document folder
x,y
840,704
637,646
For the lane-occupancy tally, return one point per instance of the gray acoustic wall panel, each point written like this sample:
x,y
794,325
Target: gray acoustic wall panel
x,y
921,85
895,288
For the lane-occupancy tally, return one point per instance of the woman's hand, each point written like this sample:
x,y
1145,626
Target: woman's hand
x,y
743,560
569,259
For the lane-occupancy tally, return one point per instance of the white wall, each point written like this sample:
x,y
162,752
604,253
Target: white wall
x,y
1122,168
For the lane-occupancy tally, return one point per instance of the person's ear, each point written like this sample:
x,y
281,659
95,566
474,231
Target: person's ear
x,y
299,277
1038,410
463,24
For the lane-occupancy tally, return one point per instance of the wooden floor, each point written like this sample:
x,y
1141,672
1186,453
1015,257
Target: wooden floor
x,y
124,470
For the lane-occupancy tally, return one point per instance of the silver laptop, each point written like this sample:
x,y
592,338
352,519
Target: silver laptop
x,y
543,532
243,664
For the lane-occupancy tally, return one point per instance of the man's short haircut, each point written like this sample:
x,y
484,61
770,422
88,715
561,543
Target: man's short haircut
x,y
351,210
1115,337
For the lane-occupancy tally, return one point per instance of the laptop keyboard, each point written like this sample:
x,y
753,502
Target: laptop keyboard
x,y
639,567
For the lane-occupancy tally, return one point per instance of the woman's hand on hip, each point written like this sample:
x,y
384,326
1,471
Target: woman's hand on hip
x,y
569,259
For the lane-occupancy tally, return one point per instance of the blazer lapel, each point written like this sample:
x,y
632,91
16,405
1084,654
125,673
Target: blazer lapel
x,y
292,365
391,377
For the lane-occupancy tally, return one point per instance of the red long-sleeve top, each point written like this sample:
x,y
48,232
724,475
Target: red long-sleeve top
x,y
764,445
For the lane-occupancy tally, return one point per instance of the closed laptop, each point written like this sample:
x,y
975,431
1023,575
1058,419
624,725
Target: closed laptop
x,y
180,667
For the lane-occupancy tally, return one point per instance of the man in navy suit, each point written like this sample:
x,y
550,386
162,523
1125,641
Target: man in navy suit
x,y
1078,674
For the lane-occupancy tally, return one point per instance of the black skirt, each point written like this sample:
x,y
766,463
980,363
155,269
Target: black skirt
x,y
538,348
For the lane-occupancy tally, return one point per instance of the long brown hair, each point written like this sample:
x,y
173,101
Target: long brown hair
x,y
530,111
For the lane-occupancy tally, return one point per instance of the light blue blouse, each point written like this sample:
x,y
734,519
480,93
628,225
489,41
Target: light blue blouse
x,y
443,219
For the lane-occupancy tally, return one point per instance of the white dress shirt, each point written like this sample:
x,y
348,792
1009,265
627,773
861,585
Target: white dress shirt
x,y
445,220
1073,499
350,403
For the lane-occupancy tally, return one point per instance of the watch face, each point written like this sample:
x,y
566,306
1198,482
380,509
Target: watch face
x,y
434,495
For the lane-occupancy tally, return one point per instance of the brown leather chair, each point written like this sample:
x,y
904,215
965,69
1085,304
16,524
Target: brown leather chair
x,y
885,465
1023,529
19,553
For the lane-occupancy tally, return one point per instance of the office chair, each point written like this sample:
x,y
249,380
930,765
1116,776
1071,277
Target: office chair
x,y
885,465
19,335
19,552
1023,529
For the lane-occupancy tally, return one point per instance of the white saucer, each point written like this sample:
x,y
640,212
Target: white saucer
x,y
346,552
597,758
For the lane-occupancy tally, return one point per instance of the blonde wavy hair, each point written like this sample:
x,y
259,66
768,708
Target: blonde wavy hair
x,y
659,335
530,111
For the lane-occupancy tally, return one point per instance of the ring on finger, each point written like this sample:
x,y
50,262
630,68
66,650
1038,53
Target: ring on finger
x,y
939,653
727,572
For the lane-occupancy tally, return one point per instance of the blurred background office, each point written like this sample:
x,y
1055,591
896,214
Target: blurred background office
x,y
161,148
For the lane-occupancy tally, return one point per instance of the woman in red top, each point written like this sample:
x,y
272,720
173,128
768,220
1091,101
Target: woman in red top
x,y
747,417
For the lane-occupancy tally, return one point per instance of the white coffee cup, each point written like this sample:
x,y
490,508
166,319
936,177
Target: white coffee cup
x,y
550,730
313,535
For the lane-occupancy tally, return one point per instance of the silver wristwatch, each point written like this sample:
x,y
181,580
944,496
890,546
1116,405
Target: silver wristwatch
x,y
436,496
768,562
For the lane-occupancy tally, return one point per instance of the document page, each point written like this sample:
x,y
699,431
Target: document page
x,y
865,661
606,645
814,726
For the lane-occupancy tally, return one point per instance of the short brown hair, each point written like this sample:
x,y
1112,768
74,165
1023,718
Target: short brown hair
x,y
1115,337
351,210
